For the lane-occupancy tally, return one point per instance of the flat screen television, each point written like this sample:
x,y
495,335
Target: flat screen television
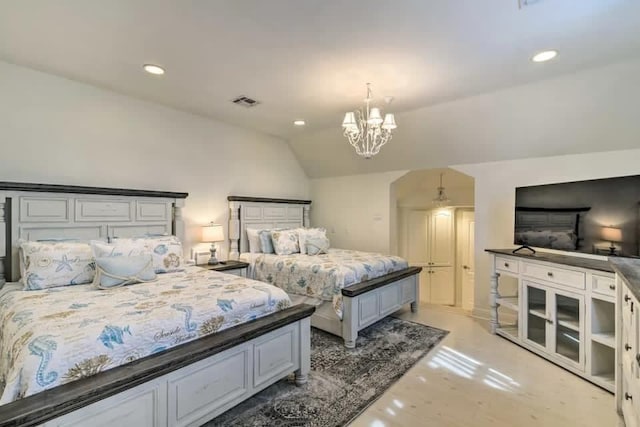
x,y
599,216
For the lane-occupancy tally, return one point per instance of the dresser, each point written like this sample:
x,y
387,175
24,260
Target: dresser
x,y
561,307
628,334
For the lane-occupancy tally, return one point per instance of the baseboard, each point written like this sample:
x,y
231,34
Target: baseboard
x,y
481,313
485,314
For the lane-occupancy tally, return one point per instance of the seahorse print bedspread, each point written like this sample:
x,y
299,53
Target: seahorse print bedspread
x,y
53,336
324,276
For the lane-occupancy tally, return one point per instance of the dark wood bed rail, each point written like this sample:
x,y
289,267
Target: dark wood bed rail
x,y
378,282
49,404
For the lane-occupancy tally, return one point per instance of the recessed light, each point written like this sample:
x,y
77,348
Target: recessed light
x,y
154,69
299,122
544,56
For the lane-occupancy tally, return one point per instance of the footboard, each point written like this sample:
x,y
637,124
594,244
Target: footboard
x,y
177,390
372,300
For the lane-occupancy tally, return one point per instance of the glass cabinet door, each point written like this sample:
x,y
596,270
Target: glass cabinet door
x,y
567,327
536,315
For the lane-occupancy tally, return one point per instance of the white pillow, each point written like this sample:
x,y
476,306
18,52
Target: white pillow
x,y
253,236
308,233
52,264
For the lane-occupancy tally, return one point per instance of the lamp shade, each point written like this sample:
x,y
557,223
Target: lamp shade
x,y
349,120
612,234
389,122
374,117
212,233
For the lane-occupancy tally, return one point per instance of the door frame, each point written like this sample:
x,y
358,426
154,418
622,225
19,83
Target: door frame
x,y
459,258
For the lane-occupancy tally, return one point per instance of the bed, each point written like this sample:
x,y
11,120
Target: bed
x,y
350,290
176,351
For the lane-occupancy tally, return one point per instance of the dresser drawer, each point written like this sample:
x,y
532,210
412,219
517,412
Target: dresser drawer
x,y
603,285
507,264
560,276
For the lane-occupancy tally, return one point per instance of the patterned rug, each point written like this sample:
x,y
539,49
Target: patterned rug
x,y
342,382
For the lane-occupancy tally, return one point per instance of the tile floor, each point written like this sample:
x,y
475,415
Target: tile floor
x,y
477,379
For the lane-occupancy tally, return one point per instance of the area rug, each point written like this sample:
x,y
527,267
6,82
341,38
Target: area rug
x,y
342,382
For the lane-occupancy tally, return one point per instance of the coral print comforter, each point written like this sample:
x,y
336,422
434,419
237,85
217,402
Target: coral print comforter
x,y
57,335
323,276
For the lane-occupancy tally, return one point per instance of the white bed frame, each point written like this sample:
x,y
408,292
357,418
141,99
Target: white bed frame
x,y
369,304
185,392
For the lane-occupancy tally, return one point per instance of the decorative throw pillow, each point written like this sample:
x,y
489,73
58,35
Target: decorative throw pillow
x,y
115,271
317,245
52,264
266,243
253,236
285,242
306,233
166,251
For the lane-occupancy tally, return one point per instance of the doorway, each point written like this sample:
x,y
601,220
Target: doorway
x,y
438,237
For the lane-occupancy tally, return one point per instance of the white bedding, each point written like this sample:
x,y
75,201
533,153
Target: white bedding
x,y
54,336
321,276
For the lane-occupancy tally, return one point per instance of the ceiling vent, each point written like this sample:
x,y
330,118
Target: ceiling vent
x,y
245,101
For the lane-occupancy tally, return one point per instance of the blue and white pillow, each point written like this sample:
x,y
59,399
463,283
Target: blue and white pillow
x,y
266,242
317,245
166,251
56,263
307,233
115,271
285,242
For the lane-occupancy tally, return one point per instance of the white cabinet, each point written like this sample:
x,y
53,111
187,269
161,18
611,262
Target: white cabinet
x,y
562,311
430,244
429,238
439,284
628,393
554,322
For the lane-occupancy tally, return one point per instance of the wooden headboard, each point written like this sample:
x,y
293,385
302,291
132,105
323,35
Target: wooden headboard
x,y
41,211
260,212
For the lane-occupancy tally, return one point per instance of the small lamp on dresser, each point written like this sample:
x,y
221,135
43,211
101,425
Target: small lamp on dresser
x,y
212,233
612,235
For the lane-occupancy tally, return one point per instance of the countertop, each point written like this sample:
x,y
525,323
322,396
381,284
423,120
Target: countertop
x,y
574,261
629,271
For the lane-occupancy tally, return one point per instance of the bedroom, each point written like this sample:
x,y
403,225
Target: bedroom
x,y
76,108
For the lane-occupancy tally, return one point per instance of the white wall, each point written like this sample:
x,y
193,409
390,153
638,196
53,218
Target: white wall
x,y
356,210
58,131
495,197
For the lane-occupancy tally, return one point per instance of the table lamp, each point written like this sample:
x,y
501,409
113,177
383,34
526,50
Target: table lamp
x,y
212,233
612,234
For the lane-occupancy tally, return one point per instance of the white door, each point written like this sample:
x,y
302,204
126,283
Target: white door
x,y
468,273
441,238
442,290
416,238
417,247
429,244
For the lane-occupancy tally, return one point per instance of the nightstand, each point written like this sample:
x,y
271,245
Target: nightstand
x,y
238,268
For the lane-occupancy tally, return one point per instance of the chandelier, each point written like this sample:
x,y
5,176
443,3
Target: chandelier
x,y
365,129
441,199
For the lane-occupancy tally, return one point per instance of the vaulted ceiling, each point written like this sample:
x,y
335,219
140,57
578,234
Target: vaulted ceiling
x,y
310,59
